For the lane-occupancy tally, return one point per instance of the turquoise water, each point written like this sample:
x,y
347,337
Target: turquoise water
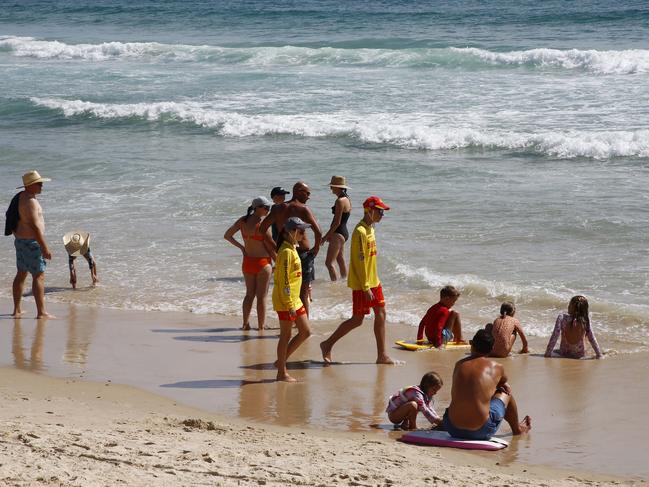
x,y
511,139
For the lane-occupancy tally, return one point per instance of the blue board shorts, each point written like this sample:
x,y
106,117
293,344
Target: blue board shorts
x,y
29,257
496,414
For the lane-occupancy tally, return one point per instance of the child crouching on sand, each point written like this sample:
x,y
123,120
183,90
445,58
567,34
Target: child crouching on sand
x,y
440,323
404,405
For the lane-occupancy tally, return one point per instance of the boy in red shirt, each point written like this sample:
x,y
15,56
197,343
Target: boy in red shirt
x,y
440,323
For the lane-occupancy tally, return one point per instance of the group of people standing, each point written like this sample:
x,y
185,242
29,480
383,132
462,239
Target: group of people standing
x,y
276,232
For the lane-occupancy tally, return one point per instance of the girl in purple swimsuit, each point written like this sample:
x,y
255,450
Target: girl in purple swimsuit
x,y
573,326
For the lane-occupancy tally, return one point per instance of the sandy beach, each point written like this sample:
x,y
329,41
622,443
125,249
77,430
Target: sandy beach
x,y
121,384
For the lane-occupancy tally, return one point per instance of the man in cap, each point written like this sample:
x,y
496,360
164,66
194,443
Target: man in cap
x,y
296,207
278,195
363,279
77,243
25,221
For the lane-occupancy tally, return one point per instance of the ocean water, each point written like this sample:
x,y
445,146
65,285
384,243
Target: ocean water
x,y
510,138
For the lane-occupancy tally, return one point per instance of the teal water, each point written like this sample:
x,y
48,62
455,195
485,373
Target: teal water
x,y
511,139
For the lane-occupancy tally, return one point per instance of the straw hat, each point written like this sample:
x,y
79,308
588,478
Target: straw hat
x,y
338,182
32,177
76,242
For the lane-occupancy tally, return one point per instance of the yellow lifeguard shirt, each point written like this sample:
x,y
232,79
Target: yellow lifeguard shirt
x,y
362,260
287,279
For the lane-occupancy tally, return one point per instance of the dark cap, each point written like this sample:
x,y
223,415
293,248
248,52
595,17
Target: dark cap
x,y
277,190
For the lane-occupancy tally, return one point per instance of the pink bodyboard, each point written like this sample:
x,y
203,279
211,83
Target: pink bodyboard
x,y
442,438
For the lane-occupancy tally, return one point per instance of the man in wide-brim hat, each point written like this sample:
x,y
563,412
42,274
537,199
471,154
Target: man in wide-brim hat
x,y
25,221
77,243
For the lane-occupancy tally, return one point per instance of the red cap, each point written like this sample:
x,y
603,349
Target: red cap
x,y
375,202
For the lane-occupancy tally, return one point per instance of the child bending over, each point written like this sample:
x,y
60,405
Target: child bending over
x,y
404,405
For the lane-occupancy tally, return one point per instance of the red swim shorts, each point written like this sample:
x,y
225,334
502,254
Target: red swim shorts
x,y
285,316
361,305
253,265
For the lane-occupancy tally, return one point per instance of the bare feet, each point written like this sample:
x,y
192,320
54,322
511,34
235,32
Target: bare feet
x,y
17,313
384,359
246,327
261,327
524,426
46,316
326,352
285,378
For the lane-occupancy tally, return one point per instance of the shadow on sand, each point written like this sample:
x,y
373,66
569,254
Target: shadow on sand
x,y
226,338
216,383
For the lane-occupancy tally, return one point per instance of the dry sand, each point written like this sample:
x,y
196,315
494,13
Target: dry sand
x,y
66,432
82,428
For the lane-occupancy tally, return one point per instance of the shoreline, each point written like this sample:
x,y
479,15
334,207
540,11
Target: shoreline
x,y
71,432
206,365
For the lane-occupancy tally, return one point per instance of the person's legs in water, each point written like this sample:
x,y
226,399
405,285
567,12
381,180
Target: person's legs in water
x,y
261,293
511,414
17,290
382,356
251,289
285,327
303,332
345,327
336,242
38,290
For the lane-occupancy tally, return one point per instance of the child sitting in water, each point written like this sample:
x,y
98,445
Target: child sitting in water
x,y
404,405
573,326
504,330
440,323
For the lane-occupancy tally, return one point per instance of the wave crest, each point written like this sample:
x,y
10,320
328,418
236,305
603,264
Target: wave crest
x,y
387,129
632,61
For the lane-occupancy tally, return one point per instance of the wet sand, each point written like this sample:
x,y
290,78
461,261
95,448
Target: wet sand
x,y
587,413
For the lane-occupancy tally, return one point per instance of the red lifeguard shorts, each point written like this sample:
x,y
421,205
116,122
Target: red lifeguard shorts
x,y
285,316
361,305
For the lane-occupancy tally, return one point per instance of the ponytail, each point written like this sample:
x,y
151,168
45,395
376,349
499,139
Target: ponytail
x,y
250,211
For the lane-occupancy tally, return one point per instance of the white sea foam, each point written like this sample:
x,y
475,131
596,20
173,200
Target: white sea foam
x,y
395,130
605,62
630,61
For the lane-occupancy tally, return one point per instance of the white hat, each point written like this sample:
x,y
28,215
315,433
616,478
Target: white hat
x,y
76,242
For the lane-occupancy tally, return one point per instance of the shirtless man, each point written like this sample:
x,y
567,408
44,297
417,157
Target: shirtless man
x,y
296,206
31,248
480,396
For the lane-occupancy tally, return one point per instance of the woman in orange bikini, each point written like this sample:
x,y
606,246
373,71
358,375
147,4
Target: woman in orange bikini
x,y
258,252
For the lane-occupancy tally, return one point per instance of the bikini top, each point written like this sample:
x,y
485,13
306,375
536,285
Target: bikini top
x,y
254,236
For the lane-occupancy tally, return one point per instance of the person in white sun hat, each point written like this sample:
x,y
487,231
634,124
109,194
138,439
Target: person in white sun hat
x,y
77,243
25,221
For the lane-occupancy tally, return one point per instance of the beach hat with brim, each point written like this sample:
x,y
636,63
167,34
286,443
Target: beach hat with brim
x,y
76,242
338,182
32,177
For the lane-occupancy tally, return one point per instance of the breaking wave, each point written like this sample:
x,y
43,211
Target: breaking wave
x,y
631,61
386,129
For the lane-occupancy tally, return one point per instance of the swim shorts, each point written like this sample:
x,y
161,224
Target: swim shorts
x,y
254,265
496,414
308,266
361,305
29,257
285,315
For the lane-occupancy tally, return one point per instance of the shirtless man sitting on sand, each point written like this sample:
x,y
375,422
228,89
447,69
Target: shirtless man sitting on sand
x,y
480,396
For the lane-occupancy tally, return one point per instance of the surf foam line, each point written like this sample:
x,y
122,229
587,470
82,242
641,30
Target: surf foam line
x,y
386,129
631,61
